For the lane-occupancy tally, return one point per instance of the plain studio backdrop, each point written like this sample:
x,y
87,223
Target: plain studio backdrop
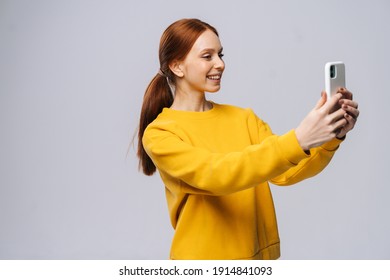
x,y
72,79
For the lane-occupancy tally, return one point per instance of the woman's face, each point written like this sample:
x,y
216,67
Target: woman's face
x,y
203,66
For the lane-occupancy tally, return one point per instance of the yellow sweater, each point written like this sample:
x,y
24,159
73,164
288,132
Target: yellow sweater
x,y
216,166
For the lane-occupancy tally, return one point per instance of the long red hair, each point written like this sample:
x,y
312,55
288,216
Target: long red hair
x,y
175,43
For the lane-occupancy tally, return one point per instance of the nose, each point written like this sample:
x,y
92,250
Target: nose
x,y
219,64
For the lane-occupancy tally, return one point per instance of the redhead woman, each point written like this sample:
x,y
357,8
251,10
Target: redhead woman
x,y
216,161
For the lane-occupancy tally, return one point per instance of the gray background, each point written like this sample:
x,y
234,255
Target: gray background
x,y
72,78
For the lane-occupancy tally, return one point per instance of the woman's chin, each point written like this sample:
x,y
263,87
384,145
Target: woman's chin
x,y
213,90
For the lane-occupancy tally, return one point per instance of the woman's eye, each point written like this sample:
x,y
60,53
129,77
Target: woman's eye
x,y
209,56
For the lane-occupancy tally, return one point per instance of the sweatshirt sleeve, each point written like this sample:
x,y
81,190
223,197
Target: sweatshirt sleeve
x,y
222,173
309,167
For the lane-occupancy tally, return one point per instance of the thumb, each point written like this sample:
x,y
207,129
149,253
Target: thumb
x,y
322,100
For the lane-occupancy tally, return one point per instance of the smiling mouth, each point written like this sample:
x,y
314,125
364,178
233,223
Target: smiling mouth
x,y
214,77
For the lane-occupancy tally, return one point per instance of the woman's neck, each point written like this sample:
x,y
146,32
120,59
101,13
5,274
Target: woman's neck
x,y
195,102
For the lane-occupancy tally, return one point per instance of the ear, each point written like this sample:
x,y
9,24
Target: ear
x,y
176,68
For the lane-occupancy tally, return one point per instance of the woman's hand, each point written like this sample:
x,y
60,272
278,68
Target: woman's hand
x,y
351,109
322,124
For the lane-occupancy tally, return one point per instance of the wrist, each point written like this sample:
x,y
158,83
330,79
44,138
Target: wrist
x,y
301,141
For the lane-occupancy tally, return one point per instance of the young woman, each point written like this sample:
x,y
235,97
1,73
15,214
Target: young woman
x,y
216,160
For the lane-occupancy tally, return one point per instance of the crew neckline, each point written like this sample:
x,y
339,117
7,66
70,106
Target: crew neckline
x,y
193,114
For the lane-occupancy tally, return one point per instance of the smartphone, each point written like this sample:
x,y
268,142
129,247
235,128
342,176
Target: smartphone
x,y
334,77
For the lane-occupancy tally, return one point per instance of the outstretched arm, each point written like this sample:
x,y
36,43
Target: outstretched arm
x,y
317,127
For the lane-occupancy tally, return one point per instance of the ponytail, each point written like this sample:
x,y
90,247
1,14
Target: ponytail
x,y
157,96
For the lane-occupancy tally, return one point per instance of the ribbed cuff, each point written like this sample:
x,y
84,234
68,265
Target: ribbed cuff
x,y
290,147
332,145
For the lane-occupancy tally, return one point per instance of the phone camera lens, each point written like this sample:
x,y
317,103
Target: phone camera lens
x,y
332,71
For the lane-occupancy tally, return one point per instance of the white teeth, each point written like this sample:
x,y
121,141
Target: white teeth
x,y
214,77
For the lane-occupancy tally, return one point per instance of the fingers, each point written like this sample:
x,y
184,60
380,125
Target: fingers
x,y
336,115
346,93
322,100
351,107
340,124
350,124
353,112
330,105
349,102
350,119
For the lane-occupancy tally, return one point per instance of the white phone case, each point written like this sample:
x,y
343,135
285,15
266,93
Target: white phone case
x,y
334,77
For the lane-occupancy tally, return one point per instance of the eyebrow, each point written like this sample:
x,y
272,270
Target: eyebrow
x,y
211,50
